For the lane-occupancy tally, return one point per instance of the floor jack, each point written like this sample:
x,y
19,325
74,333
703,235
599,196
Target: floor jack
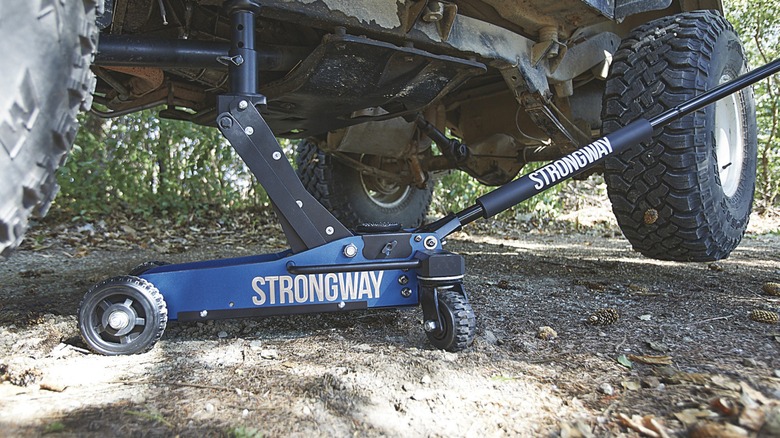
x,y
328,268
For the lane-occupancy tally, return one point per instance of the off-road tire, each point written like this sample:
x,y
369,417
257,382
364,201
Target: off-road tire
x,y
667,195
47,48
339,188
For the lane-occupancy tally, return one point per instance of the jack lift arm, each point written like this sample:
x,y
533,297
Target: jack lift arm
x,y
327,268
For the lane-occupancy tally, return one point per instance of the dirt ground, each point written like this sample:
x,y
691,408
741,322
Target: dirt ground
x,y
712,371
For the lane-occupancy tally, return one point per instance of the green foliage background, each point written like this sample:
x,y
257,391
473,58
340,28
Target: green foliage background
x,y
139,164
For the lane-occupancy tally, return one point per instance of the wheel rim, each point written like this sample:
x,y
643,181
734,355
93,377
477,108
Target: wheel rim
x,y
729,140
382,192
118,319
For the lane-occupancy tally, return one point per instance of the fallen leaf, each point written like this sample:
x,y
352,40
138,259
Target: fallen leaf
x,y
636,422
631,385
623,360
725,382
725,405
752,418
657,346
753,394
707,429
651,360
692,416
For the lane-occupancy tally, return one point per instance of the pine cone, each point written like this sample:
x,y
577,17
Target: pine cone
x,y
604,316
764,316
771,288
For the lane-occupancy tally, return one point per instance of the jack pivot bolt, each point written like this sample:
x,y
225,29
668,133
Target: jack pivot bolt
x,y
430,326
430,242
350,250
406,293
249,130
226,122
243,105
403,280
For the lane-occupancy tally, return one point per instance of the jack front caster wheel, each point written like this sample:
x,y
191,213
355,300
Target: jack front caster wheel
x,y
458,322
122,315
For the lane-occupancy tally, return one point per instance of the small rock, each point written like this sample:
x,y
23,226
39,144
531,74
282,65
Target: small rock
x,y
269,354
777,374
306,411
210,408
362,347
490,338
715,267
749,362
607,389
222,335
245,413
239,392
651,382
546,333
645,317
256,344
425,380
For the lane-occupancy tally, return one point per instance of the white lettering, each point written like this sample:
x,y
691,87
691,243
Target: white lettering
x,y
285,289
316,288
534,176
376,281
256,283
331,287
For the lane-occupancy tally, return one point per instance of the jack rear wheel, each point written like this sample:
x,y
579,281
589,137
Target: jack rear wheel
x,y
458,322
122,315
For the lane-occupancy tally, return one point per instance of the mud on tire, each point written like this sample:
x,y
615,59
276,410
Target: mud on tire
x,y
687,195
47,48
344,192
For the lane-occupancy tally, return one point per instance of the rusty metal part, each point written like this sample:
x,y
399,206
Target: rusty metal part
x,y
144,79
546,115
172,93
419,175
396,175
494,161
388,137
584,56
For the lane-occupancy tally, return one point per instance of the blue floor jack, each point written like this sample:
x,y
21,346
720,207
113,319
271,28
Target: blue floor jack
x,y
328,268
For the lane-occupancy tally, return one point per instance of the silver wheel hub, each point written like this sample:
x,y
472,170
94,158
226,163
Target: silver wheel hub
x,y
729,140
382,192
118,320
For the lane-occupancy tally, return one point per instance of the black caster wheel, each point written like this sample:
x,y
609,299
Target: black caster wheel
x,y
122,315
458,323
145,266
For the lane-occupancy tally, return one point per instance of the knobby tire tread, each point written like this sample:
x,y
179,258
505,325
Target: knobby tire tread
x,y
654,70
38,121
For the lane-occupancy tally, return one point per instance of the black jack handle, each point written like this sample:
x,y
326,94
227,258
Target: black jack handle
x,y
641,130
